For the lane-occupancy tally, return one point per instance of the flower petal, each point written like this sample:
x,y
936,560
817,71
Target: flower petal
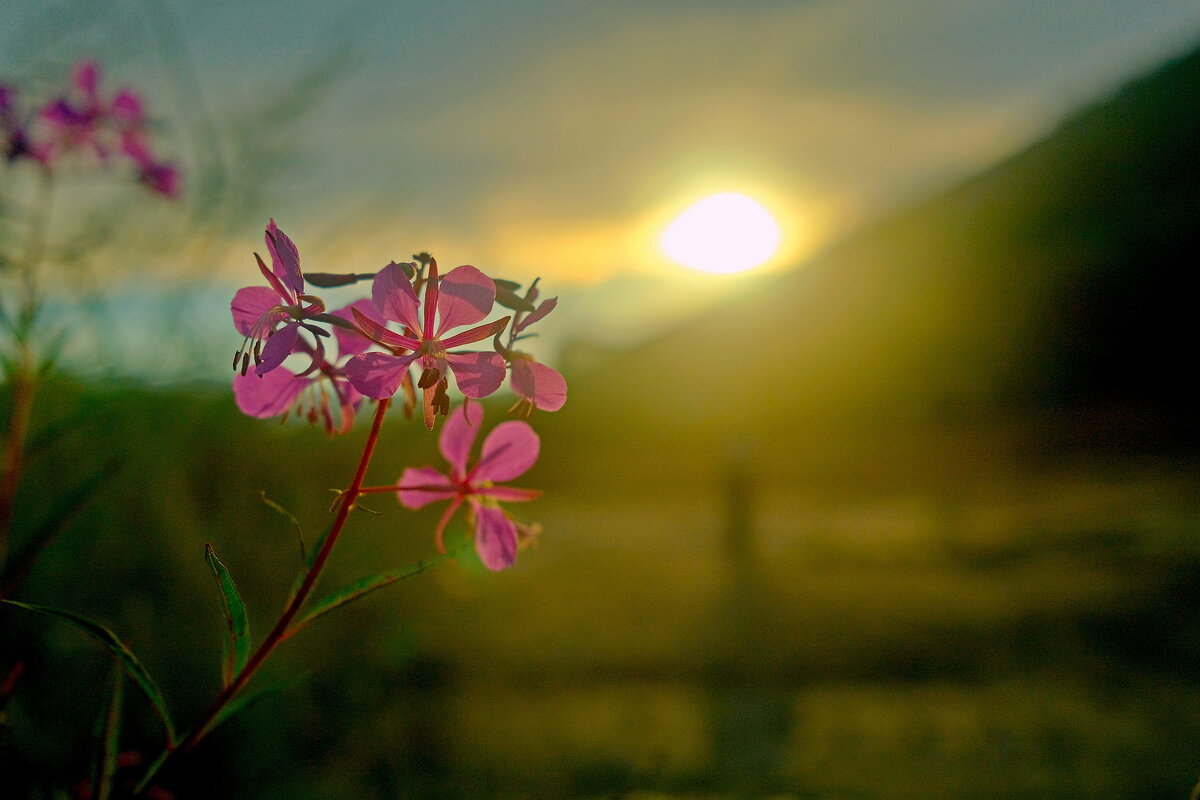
x,y
544,387
430,482
377,375
465,296
279,346
394,297
268,395
495,538
285,258
508,452
248,306
477,374
541,311
458,436
352,342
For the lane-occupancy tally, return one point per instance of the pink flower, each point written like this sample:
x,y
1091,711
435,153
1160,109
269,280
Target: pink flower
x,y
313,393
537,385
275,313
76,122
508,452
465,296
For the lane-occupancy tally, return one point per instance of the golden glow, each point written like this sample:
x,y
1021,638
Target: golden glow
x,y
723,233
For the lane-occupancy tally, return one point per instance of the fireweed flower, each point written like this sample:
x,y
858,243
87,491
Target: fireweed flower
x,y
75,122
274,314
508,452
537,385
465,296
314,393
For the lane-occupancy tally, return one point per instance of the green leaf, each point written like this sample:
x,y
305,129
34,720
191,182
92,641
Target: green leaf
x,y
510,299
291,517
237,646
134,667
108,735
365,586
308,561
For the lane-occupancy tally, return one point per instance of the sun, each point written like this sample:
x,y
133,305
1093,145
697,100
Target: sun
x,y
724,233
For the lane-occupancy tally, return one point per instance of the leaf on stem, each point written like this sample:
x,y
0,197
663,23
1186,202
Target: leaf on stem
x,y
365,586
133,666
108,736
237,625
291,518
308,562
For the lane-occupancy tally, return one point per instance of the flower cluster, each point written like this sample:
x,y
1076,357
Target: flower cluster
x,y
83,122
405,340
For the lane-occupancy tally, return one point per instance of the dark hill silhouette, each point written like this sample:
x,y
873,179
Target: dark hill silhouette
x,y
1052,291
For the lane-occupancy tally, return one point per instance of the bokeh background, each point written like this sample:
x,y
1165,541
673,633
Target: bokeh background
x,y
909,512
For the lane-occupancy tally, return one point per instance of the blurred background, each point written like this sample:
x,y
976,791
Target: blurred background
x,y
906,508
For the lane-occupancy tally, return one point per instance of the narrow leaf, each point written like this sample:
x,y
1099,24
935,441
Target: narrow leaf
x,y
108,736
295,523
133,666
510,299
237,646
365,586
308,561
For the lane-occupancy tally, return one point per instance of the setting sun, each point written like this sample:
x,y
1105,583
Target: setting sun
x,y
723,233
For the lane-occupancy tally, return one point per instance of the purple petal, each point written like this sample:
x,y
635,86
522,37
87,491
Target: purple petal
x,y
465,296
279,346
87,78
268,395
127,107
133,144
249,305
544,387
508,452
458,435
541,311
477,374
393,295
285,258
430,482
476,334
377,375
352,342
495,538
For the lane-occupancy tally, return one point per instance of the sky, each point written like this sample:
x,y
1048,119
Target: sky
x,y
558,139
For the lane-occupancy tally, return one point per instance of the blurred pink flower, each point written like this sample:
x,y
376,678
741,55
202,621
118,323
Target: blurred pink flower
x,y
508,452
277,312
465,296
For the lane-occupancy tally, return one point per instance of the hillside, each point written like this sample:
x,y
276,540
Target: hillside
x,y
1044,300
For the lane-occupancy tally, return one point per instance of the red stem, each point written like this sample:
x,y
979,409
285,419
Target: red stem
x,y
279,632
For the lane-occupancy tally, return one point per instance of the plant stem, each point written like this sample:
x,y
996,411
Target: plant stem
x,y
23,372
280,631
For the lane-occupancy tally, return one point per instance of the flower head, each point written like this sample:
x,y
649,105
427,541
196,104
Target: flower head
x,y
271,317
464,296
320,393
508,452
537,385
